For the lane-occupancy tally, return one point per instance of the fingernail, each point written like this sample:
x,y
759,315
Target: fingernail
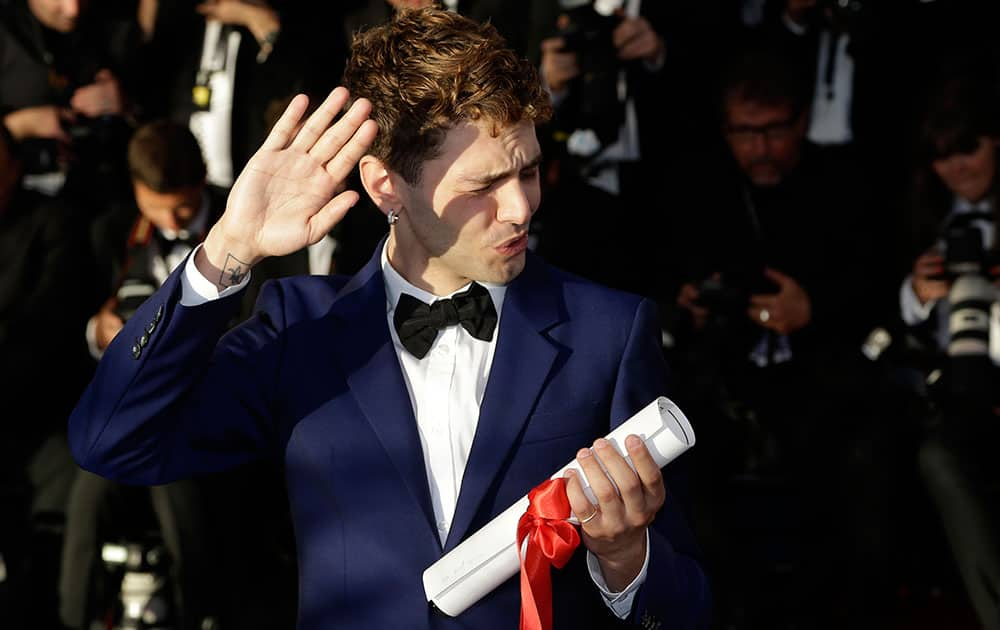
x,y
569,474
600,443
583,453
633,442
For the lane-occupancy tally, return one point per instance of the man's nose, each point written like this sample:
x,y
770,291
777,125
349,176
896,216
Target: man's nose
x,y
757,146
71,8
513,203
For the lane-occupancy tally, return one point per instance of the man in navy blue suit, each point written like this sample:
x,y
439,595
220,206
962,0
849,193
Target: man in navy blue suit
x,y
415,401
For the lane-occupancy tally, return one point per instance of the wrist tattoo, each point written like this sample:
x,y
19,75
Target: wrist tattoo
x,y
233,271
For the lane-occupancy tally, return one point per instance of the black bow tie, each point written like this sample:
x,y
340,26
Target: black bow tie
x,y
417,323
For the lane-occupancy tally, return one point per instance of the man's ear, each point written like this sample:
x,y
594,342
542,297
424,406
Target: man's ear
x,y
380,184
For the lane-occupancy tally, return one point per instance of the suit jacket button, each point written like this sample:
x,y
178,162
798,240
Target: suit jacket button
x,y
143,340
136,351
150,327
159,314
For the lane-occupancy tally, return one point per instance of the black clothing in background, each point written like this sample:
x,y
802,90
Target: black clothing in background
x,y
778,456
43,67
308,57
44,307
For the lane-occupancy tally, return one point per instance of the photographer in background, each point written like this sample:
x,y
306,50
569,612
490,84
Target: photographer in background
x,y
175,211
949,302
603,64
222,67
768,328
62,97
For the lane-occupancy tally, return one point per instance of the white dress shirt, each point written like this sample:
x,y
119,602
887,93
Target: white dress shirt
x,y
446,390
213,127
830,119
830,116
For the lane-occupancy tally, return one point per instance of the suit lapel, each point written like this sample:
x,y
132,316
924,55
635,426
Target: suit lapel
x,y
368,359
523,359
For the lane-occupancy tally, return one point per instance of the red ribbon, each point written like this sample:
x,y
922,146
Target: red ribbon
x,y
551,542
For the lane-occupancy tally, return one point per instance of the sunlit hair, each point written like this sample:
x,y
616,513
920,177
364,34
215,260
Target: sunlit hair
x,y
427,70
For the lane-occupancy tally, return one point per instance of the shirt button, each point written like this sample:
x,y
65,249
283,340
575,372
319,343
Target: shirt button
x,y
444,349
442,526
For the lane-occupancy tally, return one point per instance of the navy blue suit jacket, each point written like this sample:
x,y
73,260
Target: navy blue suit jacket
x,y
313,378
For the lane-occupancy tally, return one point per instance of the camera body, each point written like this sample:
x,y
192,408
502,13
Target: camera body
x,y
964,253
130,296
967,368
728,294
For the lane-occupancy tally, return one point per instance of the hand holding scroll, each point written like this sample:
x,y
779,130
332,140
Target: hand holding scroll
x,y
628,501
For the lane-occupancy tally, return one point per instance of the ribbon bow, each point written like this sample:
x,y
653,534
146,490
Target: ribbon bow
x,y
551,542
418,323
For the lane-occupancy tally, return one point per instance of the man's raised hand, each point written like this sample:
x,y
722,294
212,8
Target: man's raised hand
x,y
287,196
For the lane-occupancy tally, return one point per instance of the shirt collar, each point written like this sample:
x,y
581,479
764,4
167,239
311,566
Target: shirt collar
x,y
396,284
962,206
197,225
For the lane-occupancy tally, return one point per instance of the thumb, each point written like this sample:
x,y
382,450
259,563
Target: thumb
x,y
776,276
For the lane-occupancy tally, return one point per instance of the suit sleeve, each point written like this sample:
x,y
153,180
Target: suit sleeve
x,y
676,592
173,398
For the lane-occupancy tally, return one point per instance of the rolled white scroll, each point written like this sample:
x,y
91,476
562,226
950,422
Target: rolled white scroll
x,y
489,557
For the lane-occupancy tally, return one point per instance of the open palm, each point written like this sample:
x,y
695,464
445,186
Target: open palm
x,y
288,196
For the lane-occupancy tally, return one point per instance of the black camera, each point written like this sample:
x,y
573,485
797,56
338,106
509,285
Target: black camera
x,y
594,103
131,294
964,253
728,294
967,369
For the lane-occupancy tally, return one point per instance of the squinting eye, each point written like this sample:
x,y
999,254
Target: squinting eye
x,y
530,173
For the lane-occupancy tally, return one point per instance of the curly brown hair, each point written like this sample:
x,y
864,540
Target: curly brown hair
x,y
426,70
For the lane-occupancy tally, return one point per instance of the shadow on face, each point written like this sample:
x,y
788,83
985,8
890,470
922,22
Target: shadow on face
x,y
173,210
969,174
58,15
467,218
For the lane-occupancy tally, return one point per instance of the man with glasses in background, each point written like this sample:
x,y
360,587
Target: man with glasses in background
x,y
769,325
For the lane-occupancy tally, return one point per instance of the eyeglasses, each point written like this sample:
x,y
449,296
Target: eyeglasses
x,y
778,131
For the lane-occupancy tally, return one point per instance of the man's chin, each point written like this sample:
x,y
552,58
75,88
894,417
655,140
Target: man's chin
x,y
63,26
505,271
767,179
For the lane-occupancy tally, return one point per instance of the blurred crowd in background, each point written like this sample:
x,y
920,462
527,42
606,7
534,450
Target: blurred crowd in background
x,y
808,188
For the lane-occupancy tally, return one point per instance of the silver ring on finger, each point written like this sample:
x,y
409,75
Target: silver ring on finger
x,y
597,510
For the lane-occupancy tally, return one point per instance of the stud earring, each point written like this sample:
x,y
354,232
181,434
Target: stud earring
x,y
392,217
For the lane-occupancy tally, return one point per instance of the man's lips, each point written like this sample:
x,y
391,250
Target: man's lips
x,y
515,245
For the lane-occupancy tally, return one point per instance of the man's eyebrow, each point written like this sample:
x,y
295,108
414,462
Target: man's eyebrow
x,y
490,178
